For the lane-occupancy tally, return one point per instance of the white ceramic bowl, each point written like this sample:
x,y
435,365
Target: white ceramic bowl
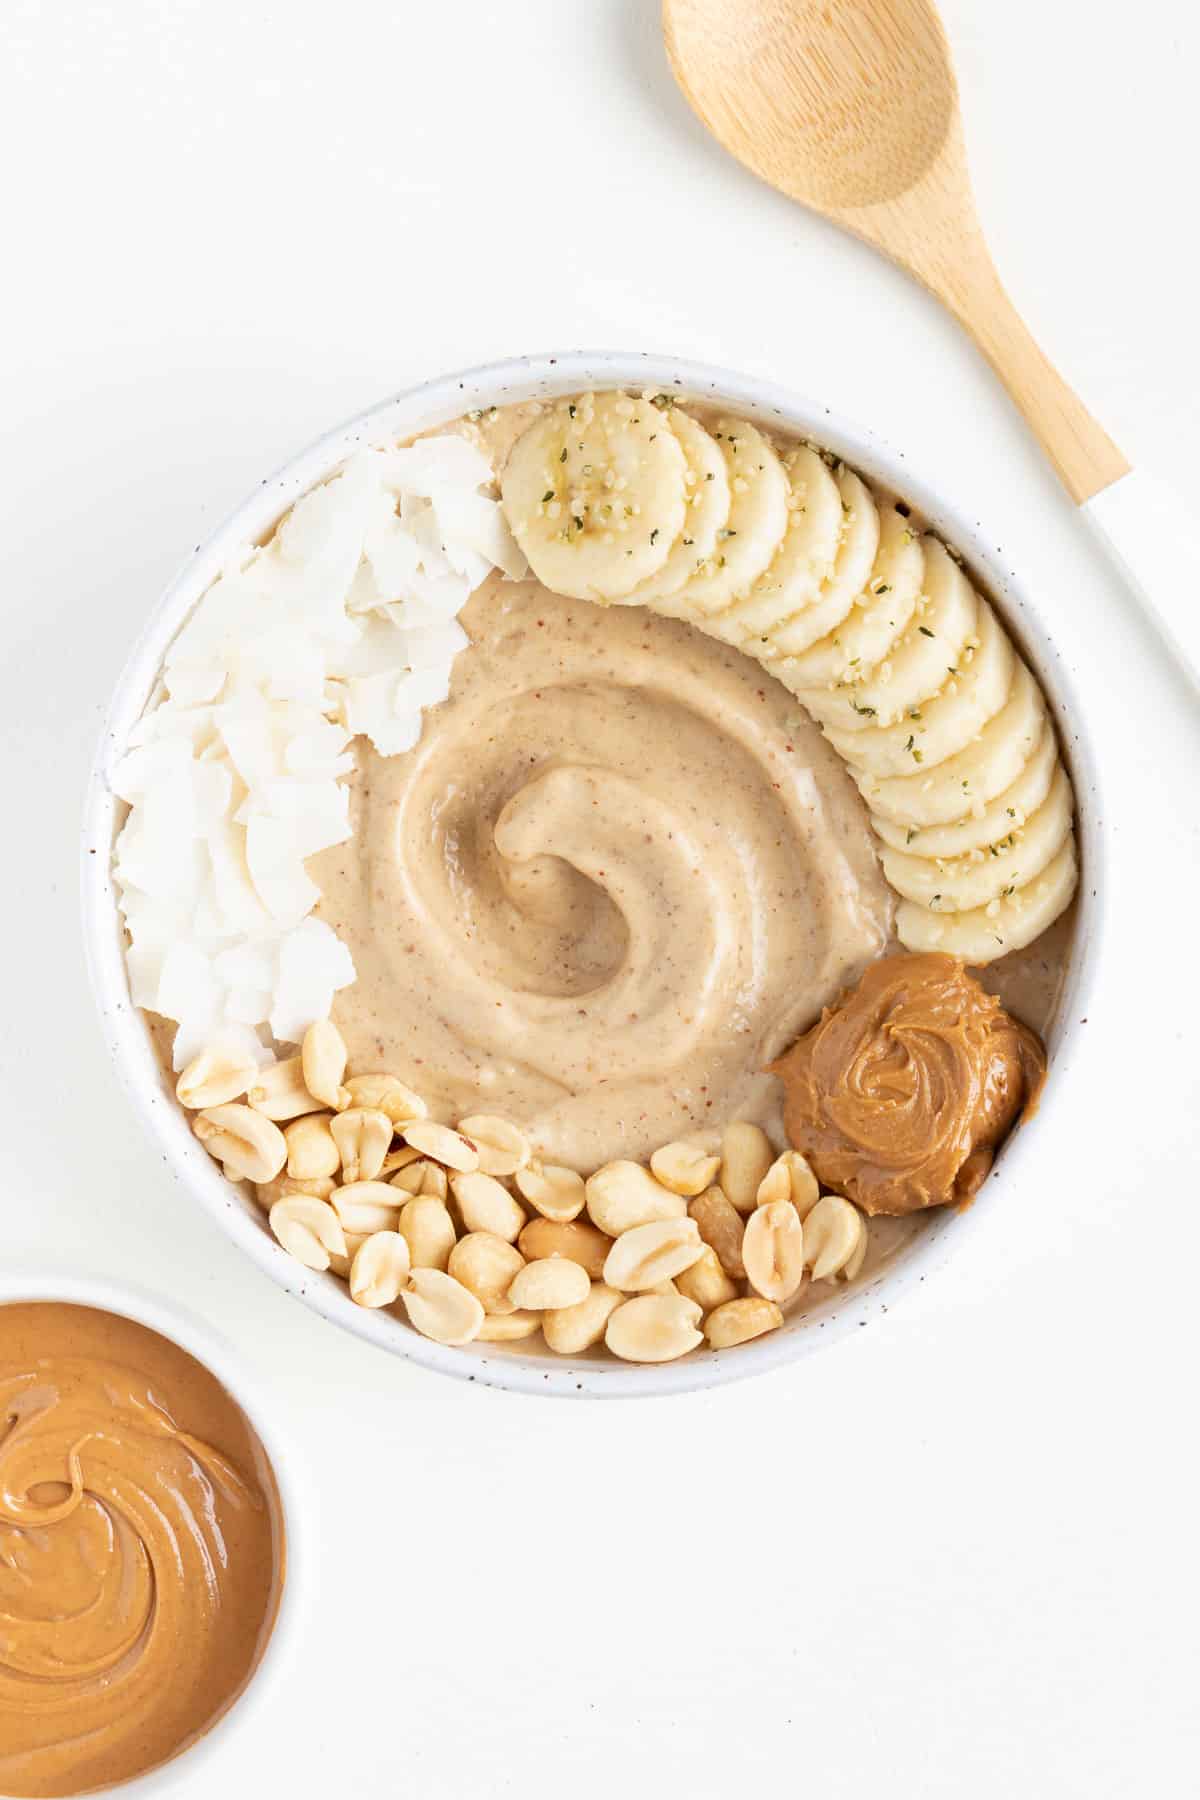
x,y
222,1360
438,402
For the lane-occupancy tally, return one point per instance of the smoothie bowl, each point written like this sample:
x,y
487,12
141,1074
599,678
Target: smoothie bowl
x,y
586,872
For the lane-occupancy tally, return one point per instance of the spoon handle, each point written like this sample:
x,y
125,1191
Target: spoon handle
x,y
1084,456
1145,528
1154,540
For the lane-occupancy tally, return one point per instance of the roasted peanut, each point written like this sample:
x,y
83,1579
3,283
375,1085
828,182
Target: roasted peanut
x,y
429,1230
502,1148
684,1169
551,1190
653,1328
773,1250
506,1328
746,1155
323,1063
422,1177
487,1265
440,1307
268,1192
646,1255
380,1269
385,1093
835,1235
568,1330
706,1282
398,1159
853,1264
551,1282
789,1178
366,1206
219,1074
278,1091
312,1154
363,1135
308,1230
577,1241
721,1226
341,1265
739,1320
441,1144
623,1194
485,1205
249,1146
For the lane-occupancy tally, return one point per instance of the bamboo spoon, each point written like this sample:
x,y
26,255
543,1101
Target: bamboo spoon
x,y
851,107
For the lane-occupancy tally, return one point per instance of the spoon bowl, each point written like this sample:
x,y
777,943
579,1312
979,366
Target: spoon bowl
x,y
794,91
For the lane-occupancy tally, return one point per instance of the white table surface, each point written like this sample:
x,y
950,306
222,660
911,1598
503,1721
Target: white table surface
x,y
955,1556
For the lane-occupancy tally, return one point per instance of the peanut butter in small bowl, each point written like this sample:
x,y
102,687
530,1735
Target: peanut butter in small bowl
x,y
142,1549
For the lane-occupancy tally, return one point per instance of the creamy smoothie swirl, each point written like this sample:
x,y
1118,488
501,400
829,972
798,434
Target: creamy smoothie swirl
x,y
139,1563
618,875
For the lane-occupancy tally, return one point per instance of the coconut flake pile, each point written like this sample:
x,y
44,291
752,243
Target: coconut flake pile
x,y
345,623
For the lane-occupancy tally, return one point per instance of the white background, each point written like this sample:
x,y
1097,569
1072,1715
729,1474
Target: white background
x,y
956,1555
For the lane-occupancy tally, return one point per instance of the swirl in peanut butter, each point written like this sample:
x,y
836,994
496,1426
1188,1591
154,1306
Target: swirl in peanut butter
x,y
141,1549
901,1093
619,873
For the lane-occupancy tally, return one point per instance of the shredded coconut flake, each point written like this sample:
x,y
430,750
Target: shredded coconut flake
x,y
344,624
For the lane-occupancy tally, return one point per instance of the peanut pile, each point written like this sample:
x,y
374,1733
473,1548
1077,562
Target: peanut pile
x,y
479,1240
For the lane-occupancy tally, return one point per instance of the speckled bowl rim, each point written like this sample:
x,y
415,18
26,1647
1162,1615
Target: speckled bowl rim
x,y
437,402
221,1358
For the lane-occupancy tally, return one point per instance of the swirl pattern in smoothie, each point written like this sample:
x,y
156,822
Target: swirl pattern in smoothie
x,y
618,874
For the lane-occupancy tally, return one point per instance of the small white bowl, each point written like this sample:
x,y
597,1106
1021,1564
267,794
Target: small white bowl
x,y
436,403
221,1359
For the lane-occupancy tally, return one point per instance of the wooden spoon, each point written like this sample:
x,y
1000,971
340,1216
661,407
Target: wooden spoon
x,y
851,107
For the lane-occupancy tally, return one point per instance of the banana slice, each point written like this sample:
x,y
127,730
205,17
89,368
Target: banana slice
x,y
960,883
975,776
595,492
876,620
991,931
977,688
851,572
805,560
878,614
915,667
758,520
708,500
989,825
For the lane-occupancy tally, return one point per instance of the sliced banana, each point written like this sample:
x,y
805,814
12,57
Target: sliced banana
x,y
915,667
988,825
1009,923
747,544
805,560
977,685
851,571
874,623
595,492
877,630
960,883
880,611
708,500
975,776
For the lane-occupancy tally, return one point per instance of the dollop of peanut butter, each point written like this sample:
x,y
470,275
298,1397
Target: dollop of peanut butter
x,y
901,1092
